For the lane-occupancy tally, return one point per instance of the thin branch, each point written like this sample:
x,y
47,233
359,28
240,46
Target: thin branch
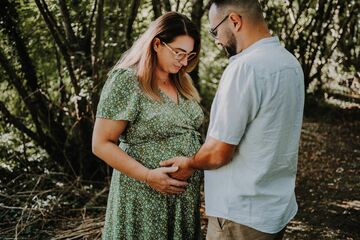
x,y
196,15
93,13
50,18
289,9
88,33
13,77
177,5
16,81
9,22
63,46
133,12
334,43
67,22
184,6
321,37
9,118
302,6
62,89
99,29
206,7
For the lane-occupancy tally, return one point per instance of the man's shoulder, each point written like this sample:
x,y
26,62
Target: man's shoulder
x,y
238,69
266,60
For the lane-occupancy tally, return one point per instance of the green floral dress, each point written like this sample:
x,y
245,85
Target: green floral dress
x,y
156,131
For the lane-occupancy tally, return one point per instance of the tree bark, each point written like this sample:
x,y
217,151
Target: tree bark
x,y
67,22
70,150
99,31
135,4
167,5
17,123
196,15
63,46
156,4
37,103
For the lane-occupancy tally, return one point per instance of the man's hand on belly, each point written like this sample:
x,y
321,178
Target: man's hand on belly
x,y
184,172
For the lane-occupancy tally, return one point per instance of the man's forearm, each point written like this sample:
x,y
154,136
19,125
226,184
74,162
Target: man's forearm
x,y
212,155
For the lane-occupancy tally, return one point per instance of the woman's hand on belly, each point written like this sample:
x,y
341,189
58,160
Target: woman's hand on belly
x,y
159,180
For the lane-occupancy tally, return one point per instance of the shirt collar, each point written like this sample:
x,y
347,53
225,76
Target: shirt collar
x,y
259,43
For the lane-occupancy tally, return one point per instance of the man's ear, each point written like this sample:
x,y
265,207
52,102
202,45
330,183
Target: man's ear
x,y
236,21
156,44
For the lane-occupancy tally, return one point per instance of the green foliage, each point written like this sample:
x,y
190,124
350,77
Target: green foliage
x,y
55,56
320,34
54,59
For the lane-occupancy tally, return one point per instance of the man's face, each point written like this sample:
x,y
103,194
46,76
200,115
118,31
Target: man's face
x,y
221,32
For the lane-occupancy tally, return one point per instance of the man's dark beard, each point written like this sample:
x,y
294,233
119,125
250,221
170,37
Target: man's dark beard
x,y
230,48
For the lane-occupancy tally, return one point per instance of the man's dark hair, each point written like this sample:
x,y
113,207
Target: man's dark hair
x,y
251,8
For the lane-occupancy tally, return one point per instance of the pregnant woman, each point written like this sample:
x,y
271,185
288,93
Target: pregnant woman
x,y
150,105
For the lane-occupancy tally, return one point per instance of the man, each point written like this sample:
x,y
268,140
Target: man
x,y
253,137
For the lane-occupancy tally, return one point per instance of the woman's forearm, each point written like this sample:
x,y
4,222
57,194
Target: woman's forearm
x,y
120,160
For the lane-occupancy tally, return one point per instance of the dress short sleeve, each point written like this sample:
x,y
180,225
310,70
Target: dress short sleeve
x,y
119,98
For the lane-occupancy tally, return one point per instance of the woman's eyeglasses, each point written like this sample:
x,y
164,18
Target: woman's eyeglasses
x,y
213,31
179,56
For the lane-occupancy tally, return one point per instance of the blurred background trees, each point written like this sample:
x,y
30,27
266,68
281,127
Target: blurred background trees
x,y
54,60
55,55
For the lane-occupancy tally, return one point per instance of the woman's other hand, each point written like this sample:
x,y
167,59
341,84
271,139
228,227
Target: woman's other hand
x,y
159,180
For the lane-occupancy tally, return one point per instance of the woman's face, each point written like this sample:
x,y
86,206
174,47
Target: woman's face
x,y
174,55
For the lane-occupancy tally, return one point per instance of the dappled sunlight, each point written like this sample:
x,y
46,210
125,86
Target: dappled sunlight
x,y
346,205
55,57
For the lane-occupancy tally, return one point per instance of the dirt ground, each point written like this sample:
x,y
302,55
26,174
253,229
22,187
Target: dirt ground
x,y
328,192
328,182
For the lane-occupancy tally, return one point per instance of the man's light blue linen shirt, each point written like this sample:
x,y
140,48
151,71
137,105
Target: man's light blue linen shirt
x,y
258,107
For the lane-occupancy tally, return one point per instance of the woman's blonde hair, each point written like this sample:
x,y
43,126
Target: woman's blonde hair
x,y
143,59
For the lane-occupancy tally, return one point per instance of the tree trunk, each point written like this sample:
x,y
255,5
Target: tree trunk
x,y
196,15
70,150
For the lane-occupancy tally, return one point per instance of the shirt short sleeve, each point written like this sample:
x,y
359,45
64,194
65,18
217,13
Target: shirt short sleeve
x,y
236,103
119,98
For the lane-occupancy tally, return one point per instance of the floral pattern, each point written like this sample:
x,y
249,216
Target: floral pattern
x,y
156,131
